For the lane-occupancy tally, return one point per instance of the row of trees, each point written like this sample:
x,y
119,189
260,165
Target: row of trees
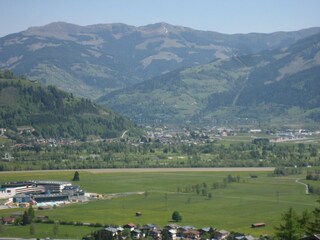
x,y
313,175
204,190
154,154
283,171
314,189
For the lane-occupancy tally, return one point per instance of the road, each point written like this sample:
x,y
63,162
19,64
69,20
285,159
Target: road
x,y
305,185
124,133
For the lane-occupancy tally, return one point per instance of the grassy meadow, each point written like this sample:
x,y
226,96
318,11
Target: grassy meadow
x,y
234,208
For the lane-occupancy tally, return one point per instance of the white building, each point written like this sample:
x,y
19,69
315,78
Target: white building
x,y
9,192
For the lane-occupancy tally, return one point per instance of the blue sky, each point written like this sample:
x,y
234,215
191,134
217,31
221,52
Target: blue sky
x,y
226,16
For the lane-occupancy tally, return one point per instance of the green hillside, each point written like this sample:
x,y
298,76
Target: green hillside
x,y
281,88
54,113
272,87
179,95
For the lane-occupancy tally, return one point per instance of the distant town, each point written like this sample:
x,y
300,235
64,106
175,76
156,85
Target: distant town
x,y
165,134
211,134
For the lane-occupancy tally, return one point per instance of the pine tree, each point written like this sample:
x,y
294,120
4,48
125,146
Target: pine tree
x,y
76,176
304,220
291,227
314,224
31,213
25,218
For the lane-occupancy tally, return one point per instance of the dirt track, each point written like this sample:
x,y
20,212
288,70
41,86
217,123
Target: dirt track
x,y
133,170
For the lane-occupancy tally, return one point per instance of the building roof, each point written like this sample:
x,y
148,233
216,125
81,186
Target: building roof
x,y
50,182
186,228
151,225
206,229
130,225
222,232
172,225
71,187
249,237
111,229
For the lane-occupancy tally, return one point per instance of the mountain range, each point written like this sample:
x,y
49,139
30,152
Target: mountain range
x,y
280,85
174,74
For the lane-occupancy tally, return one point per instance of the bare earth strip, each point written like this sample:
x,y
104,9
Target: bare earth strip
x,y
136,170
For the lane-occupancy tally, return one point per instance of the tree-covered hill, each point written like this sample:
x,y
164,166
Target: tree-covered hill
x,y
280,85
54,113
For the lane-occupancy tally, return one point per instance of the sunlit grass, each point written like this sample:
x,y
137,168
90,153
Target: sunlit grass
x,y
233,208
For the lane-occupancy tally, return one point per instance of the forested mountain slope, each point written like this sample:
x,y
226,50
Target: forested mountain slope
x,y
54,113
278,83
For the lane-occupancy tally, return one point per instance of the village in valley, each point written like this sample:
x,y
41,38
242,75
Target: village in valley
x,y
159,133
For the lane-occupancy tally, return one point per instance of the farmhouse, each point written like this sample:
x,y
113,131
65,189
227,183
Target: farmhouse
x,y
191,234
136,234
172,234
172,226
155,234
108,232
221,234
111,231
206,230
131,226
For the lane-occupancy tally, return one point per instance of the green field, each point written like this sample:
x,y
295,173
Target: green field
x,y
233,208
46,230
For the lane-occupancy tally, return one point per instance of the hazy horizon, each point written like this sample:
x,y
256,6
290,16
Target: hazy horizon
x,y
228,17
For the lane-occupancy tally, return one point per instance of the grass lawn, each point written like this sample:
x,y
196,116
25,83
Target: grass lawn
x,y
46,230
234,208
